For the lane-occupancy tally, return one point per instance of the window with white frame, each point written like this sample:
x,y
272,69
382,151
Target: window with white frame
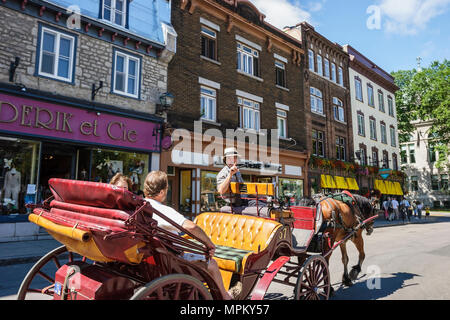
x,y
370,96
319,65
127,72
249,114
358,89
381,101
247,60
282,123
363,157
316,100
209,43
393,138
280,73
383,133
373,129
208,103
338,110
327,68
56,56
115,11
361,125
391,106
340,76
311,60
333,72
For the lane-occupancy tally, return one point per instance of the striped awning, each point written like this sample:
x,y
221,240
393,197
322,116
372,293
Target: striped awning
x,y
389,187
398,188
341,183
352,184
327,182
380,185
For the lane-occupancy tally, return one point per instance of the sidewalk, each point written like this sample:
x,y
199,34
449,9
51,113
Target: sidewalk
x,y
31,251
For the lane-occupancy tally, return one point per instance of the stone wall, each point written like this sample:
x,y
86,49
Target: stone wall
x,y
19,37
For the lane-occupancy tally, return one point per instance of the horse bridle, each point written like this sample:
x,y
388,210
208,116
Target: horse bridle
x,y
337,220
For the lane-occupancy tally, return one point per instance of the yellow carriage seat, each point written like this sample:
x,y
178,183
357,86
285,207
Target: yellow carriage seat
x,y
237,237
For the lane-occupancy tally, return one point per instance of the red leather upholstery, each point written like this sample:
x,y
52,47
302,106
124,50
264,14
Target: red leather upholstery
x,y
94,194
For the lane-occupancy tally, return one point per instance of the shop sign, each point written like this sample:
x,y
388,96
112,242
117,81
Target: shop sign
x,y
38,118
385,173
264,167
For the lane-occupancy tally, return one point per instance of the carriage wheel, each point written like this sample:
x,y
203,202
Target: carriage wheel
x,y
46,269
313,282
173,287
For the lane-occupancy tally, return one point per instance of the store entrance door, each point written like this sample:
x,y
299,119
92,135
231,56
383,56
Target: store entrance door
x,y
57,161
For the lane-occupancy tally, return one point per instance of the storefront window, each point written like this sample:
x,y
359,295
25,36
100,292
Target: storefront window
x,y
291,188
210,200
19,160
106,163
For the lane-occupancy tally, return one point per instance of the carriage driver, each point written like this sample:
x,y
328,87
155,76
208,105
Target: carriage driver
x,y
230,173
155,191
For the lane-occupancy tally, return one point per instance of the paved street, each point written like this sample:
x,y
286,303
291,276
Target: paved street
x,y
412,260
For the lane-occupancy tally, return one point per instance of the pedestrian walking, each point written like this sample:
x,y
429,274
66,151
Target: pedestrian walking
x,y
386,208
407,209
414,207
427,212
394,204
419,210
404,207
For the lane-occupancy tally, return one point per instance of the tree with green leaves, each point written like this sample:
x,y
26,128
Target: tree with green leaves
x,y
425,95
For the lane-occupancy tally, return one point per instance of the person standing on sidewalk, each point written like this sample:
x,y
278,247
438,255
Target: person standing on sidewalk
x,y
394,204
407,209
414,206
386,209
419,209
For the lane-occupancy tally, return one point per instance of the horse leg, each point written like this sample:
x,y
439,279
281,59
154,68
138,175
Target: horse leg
x,y
345,278
359,244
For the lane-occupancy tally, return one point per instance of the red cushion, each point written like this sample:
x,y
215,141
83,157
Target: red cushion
x,y
94,194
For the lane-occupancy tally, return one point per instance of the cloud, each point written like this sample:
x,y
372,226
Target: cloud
x,y
282,13
410,16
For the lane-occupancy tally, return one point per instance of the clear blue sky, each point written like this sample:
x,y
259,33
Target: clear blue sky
x,y
406,29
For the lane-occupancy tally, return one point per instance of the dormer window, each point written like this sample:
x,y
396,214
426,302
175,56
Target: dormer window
x,y
115,11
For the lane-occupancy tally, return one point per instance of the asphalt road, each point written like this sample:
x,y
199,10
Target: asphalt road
x,y
402,262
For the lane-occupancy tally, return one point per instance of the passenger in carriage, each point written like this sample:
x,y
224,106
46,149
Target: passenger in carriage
x,y
122,181
230,173
155,190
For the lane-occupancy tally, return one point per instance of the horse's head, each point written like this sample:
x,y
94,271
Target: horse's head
x,y
367,208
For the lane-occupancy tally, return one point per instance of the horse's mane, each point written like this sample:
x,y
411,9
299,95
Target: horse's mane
x,y
364,204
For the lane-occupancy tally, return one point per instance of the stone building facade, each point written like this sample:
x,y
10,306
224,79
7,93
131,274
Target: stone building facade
x,y
425,181
79,88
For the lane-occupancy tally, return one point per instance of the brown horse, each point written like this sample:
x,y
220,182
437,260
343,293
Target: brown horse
x,y
342,219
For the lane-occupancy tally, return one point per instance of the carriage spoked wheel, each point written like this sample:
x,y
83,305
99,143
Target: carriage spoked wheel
x,y
313,282
173,287
39,282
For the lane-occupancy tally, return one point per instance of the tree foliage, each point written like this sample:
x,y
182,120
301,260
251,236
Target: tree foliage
x,y
425,95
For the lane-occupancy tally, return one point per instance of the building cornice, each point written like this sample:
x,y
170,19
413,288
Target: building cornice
x,y
233,19
51,13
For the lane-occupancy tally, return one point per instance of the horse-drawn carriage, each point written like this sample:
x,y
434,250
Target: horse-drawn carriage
x,y
113,248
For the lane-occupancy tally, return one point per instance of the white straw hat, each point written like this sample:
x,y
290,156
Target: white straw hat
x,y
230,152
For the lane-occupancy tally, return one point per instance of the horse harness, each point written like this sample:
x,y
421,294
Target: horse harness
x,y
336,214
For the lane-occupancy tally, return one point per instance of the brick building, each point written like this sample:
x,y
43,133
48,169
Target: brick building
x,y
327,109
79,87
234,71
